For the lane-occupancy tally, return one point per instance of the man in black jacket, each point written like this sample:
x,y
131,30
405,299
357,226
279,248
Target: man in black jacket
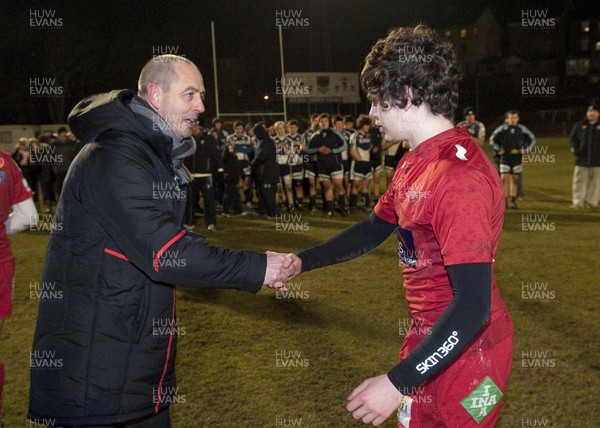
x,y
203,164
97,359
585,145
266,172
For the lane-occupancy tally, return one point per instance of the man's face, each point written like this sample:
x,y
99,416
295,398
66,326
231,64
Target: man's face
x,y
592,116
239,130
324,123
513,119
250,132
62,136
293,129
348,125
470,118
280,131
339,125
181,103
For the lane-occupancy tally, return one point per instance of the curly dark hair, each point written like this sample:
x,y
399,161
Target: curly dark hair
x,y
414,57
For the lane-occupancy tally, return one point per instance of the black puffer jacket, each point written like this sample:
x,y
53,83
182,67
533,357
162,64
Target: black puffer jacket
x,y
98,356
585,143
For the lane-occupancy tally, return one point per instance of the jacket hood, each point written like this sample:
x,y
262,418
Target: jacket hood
x,y
108,111
260,132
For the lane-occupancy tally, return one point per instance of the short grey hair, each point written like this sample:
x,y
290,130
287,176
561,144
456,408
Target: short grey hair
x,y
159,70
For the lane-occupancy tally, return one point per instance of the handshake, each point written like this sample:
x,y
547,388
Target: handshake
x,y
281,268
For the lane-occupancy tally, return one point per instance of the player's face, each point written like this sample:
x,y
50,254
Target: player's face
x,y
393,122
182,102
280,130
324,123
348,125
592,116
239,130
470,118
513,119
293,129
339,125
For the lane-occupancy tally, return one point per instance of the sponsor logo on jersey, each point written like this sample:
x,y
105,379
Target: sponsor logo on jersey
x,y
482,400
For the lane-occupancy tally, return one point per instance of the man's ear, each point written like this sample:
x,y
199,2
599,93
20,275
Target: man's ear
x,y
154,95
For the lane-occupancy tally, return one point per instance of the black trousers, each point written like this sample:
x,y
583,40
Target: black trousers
x,y
205,186
266,200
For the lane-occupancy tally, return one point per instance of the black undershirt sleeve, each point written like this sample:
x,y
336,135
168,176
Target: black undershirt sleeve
x,y
466,315
348,244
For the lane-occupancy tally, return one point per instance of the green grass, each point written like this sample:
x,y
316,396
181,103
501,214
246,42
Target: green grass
x,y
347,329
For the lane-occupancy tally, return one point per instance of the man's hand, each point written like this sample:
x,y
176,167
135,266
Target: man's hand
x,y
281,268
374,400
324,150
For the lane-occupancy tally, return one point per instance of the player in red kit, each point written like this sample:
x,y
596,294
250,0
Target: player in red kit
x,y
15,195
446,205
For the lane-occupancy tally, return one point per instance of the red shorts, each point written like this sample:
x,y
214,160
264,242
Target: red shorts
x,y
7,273
468,392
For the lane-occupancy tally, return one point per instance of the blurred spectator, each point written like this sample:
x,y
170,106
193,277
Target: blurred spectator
x,y
585,145
64,152
35,169
266,172
45,158
232,203
203,164
376,158
21,156
476,128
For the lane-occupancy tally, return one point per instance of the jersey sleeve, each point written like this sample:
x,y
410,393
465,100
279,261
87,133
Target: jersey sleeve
x,y
19,188
385,206
462,217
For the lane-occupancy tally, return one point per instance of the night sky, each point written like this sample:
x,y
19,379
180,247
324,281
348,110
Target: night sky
x,y
102,45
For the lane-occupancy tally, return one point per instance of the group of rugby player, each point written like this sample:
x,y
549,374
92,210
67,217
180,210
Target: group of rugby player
x,y
345,156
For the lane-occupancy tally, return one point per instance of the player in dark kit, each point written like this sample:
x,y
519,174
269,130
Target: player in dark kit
x,y
475,127
328,144
511,140
360,150
446,206
310,162
244,150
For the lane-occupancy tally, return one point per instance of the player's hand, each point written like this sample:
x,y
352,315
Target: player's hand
x,y
501,152
280,268
324,150
374,400
293,265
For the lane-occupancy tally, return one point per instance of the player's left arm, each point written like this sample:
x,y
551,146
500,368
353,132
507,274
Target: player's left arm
x,y
466,315
451,333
